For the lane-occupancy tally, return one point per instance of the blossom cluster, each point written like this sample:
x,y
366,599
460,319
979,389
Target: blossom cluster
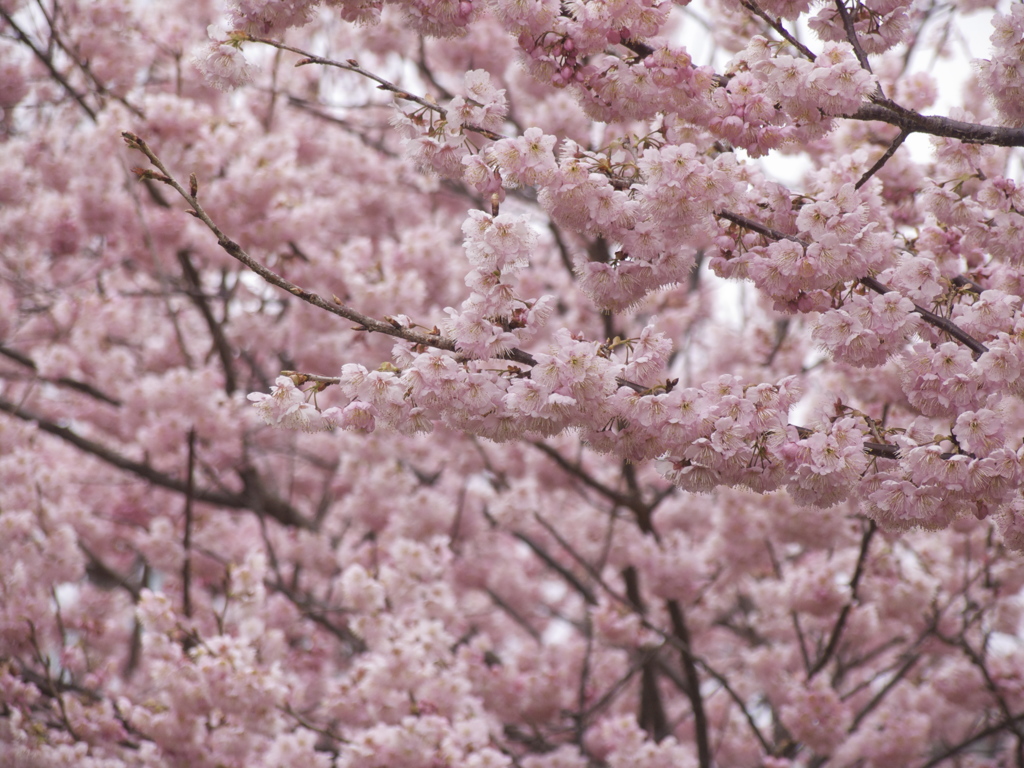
x,y
1001,75
672,463
441,144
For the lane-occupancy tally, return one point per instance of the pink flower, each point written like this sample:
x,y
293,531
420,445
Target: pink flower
x,y
224,66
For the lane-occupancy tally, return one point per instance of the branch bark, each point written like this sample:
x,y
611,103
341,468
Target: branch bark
x,y
254,497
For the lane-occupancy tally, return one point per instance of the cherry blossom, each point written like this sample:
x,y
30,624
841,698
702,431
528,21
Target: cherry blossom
x,y
460,382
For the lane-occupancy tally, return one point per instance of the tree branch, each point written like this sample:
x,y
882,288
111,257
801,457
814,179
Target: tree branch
x,y
775,24
884,158
353,66
64,381
336,307
837,630
254,497
888,111
693,692
931,318
851,35
220,340
47,61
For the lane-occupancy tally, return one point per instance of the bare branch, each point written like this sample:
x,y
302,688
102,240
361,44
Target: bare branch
x,y
186,565
47,61
64,381
851,34
353,66
837,630
336,307
888,111
220,340
884,158
700,719
775,24
254,497
621,499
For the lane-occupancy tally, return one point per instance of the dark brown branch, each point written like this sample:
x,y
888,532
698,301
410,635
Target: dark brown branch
x,y
641,509
47,61
620,499
748,716
254,497
220,340
956,749
966,284
363,322
993,687
851,34
64,381
186,565
557,567
514,615
837,630
891,683
652,718
942,323
595,574
700,720
884,158
888,111
777,26
83,66
353,66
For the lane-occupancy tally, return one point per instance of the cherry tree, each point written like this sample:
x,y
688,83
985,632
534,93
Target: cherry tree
x,y
435,383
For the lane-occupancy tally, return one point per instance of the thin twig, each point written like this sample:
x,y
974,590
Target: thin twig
x,y
64,381
336,307
253,498
942,323
700,720
220,340
353,66
777,26
621,499
837,630
851,35
47,61
956,749
904,133
186,565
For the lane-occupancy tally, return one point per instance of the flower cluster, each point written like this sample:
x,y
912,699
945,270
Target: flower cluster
x,y
725,433
222,63
809,92
289,407
879,24
823,567
868,329
827,465
493,319
1002,76
441,145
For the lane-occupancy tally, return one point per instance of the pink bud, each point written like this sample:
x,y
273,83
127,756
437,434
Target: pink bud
x,y
613,37
569,45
